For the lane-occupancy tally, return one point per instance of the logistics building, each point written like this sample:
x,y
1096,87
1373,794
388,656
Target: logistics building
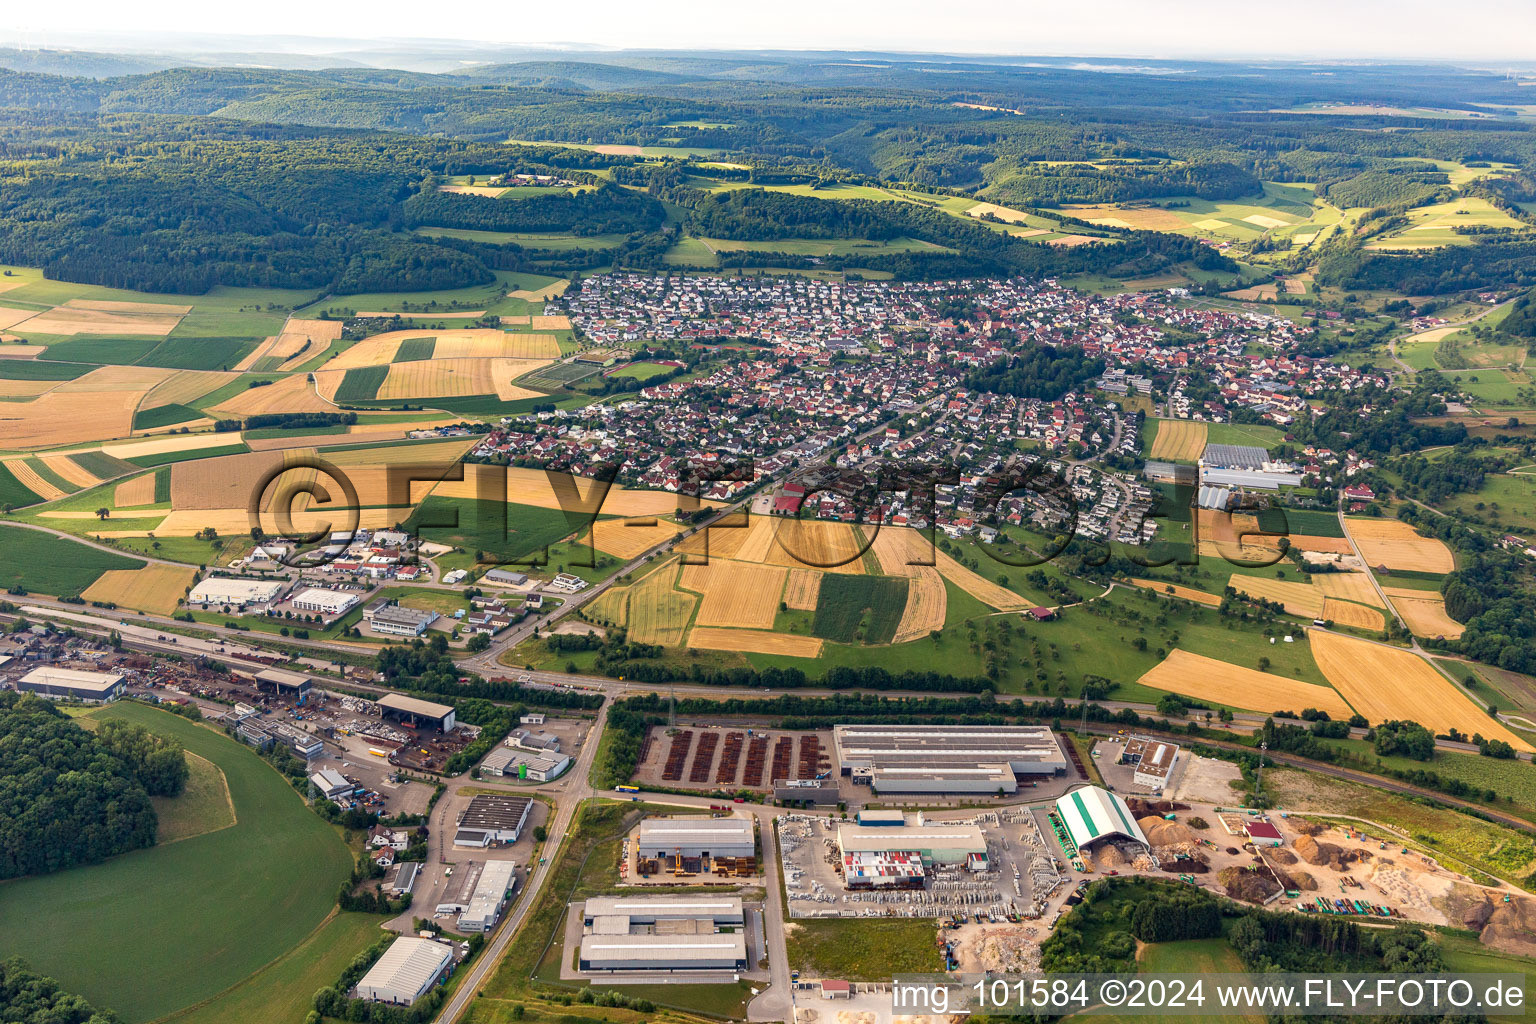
x,y
72,684
326,602
497,881
1237,465
663,933
506,761
946,842
946,758
417,713
401,621
222,590
406,971
492,818
1153,760
697,837
1092,815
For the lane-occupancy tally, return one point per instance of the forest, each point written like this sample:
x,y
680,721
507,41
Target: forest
x,y
71,797
29,998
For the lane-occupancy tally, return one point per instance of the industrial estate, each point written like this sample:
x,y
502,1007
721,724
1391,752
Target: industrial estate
x,y
502,534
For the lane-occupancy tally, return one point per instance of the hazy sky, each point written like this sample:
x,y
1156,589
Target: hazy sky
x,y
1486,30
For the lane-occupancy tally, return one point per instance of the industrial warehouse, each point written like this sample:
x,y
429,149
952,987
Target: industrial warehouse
x,y
947,758
479,894
1092,815
663,933
1153,761
416,713
697,837
492,818
72,684
406,971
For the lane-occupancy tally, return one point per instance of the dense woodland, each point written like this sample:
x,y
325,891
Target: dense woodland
x,y
69,796
30,998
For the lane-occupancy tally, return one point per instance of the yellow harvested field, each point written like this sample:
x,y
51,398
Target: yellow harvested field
x,y
231,481
1425,615
157,589
299,341
1069,241
544,294
1262,221
291,394
28,478
488,191
11,317
1000,212
1347,613
71,470
496,345
231,521
630,538
132,493
815,544
752,641
1389,684
1221,682
656,613
1324,545
184,387
1236,537
25,388
90,408
166,445
461,314
802,589
739,594
901,551
1298,598
262,444
1187,593
1348,586
611,607
1395,544
550,323
440,378
927,604
426,453
147,308
1179,440
577,495
72,318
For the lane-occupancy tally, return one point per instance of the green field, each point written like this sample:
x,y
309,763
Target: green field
x,y
164,416
236,447
414,350
528,240
824,246
1312,523
40,369
204,805
859,609
1436,224
198,916
1507,499
13,493
504,531
200,353
641,371
361,384
52,565
862,950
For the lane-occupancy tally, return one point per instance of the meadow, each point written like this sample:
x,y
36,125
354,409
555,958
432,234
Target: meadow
x,y
280,865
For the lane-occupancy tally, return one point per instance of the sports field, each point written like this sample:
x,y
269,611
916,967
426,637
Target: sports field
x,y
1222,682
1396,545
151,932
1388,683
1178,440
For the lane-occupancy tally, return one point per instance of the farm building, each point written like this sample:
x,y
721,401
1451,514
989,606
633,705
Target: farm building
x,y
415,712
1153,761
492,818
1237,465
504,761
946,758
406,971
497,880
941,843
401,621
1092,815
662,933
326,602
221,591
72,684
697,837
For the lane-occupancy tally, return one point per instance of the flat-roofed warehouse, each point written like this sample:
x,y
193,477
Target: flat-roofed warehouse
x,y
943,842
697,837
406,971
1242,465
1153,760
492,818
946,758
1092,815
663,933
416,712
235,593
72,684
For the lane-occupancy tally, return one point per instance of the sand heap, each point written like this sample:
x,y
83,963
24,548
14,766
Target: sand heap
x,y
1512,926
1011,950
1251,886
1165,833
1280,855
1110,856
1295,878
1336,857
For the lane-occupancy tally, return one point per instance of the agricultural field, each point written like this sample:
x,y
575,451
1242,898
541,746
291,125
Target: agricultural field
x,y
57,566
1436,224
552,490
736,594
1386,683
755,641
658,613
1396,545
279,862
155,588
631,538
1176,440
861,609
1223,683
1424,613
